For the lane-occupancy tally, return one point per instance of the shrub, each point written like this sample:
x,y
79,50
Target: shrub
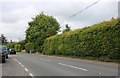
x,y
17,47
98,41
29,46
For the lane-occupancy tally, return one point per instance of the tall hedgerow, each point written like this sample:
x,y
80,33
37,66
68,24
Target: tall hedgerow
x,y
99,41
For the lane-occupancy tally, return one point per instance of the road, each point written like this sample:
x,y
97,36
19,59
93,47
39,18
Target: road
x,y
12,68
41,65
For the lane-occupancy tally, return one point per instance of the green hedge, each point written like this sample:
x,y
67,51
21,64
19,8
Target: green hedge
x,y
99,40
10,45
17,47
29,46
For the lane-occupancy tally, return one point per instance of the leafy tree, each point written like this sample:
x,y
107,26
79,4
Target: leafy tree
x,y
10,44
3,39
22,44
40,28
18,46
67,28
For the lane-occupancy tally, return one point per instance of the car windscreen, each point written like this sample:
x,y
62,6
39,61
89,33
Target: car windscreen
x,y
3,49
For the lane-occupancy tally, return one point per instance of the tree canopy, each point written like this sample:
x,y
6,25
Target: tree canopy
x,y
41,27
3,39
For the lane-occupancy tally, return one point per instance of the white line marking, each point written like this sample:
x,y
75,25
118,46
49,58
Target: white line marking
x,y
15,59
45,60
73,67
31,74
22,66
26,69
99,73
19,63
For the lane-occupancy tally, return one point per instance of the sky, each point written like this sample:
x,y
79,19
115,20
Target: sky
x,y
15,14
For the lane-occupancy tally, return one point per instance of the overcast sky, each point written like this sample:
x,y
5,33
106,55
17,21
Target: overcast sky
x,y
15,14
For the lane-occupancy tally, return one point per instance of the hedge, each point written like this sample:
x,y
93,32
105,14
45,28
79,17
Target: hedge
x,y
17,47
29,46
99,41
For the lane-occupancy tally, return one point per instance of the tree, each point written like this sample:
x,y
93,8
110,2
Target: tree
x,y
40,28
67,28
22,44
11,44
3,39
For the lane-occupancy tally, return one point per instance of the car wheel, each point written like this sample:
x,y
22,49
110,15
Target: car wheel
x,y
3,60
7,56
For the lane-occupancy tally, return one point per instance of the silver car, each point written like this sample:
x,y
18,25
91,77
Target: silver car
x,y
3,53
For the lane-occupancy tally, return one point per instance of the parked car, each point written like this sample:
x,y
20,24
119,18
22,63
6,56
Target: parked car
x,y
12,51
5,49
3,53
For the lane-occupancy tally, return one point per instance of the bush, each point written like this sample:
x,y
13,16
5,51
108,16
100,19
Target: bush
x,y
29,46
10,45
17,47
98,40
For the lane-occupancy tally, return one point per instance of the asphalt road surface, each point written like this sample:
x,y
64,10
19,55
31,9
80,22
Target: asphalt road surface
x,y
12,68
41,65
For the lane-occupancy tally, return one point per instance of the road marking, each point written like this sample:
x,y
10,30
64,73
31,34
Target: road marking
x,y
99,73
45,60
26,69
73,67
31,74
15,59
22,66
19,63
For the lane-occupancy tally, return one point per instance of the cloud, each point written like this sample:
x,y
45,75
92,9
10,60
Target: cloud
x,y
16,13
12,31
94,14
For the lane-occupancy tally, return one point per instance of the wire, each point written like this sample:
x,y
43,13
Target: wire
x,y
81,11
